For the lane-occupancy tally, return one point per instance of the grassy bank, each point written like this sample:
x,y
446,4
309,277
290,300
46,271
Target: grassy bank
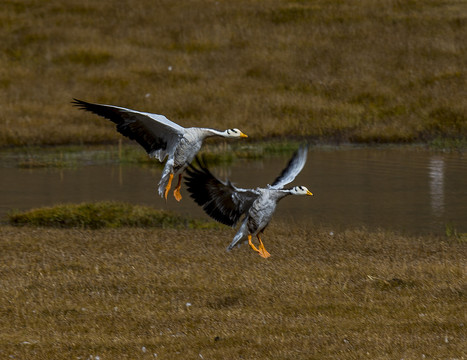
x,y
134,293
132,153
98,215
215,153
358,71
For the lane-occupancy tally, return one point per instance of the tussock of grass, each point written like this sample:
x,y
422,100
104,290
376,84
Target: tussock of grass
x,y
103,215
356,294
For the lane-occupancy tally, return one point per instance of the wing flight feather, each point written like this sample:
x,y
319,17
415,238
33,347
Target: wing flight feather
x,y
293,168
220,200
155,133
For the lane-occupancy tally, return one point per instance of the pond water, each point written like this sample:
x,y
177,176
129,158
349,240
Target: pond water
x,y
410,191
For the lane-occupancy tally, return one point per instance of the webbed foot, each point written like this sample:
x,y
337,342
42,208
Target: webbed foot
x,y
169,184
261,250
177,194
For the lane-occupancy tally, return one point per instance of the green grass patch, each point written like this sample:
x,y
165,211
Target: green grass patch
x,y
452,232
127,153
104,215
265,149
443,144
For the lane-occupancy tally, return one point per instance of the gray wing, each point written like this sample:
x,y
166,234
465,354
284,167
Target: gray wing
x,y
155,133
220,200
293,168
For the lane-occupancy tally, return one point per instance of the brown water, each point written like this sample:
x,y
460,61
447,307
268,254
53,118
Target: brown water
x,y
404,190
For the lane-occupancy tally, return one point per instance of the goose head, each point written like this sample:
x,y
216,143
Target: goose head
x,y
234,133
300,190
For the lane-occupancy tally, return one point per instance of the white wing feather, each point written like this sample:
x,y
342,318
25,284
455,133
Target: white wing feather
x,y
293,168
158,135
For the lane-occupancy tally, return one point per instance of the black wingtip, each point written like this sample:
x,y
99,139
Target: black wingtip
x,y
214,196
201,167
80,104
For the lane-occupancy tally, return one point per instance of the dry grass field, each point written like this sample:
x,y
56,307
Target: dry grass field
x,y
177,294
359,71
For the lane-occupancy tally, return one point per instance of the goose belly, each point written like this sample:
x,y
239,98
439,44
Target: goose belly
x,y
185,153
260,215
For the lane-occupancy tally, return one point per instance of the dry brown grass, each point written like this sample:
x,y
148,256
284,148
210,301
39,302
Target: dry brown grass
x,y
360,70
79,294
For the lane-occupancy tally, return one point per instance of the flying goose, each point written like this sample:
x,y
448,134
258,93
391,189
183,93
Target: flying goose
x,y
226,203
160,137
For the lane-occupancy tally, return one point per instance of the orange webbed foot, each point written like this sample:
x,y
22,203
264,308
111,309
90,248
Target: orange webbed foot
x,y
261,250
177,194
169,184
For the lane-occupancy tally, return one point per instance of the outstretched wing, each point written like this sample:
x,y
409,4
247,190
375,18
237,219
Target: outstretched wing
x,y
220,200
293,168
155,133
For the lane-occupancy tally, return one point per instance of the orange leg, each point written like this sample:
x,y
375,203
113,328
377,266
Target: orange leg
x,y
177,194
169,184
262,250
251,244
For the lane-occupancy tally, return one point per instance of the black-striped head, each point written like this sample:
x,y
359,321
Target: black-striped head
x,y
300,190
234,133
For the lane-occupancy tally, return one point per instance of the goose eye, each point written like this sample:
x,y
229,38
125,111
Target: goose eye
x,y
235,131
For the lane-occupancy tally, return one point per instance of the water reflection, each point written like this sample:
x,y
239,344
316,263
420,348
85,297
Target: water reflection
x,y
407,191
436,175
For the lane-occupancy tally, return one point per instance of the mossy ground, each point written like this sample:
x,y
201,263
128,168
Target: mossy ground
x,y
103,215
